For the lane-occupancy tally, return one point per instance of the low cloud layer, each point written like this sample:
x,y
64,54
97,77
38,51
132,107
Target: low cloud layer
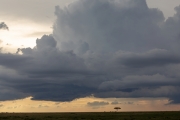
x,y
108,48
3,26
1,105
97,103
115,103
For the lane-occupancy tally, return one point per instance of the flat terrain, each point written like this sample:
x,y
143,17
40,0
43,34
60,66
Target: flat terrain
x,y
93,116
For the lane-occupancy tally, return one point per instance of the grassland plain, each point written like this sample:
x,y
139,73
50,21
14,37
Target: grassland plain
x,y
93,116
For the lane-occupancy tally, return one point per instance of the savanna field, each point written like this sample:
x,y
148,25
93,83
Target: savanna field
x,y
93,116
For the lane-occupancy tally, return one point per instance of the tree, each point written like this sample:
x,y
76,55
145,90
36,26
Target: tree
x,y
117,108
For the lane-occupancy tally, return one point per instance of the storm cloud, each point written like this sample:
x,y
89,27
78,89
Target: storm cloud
x,y
108,48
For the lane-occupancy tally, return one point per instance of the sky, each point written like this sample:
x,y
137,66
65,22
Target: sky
x,y
89,55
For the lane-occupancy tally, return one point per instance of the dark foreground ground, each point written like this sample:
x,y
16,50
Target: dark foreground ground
x,y
93,116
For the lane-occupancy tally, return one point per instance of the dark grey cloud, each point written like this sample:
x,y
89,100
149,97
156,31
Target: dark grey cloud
x,y
12,61
108,26
114,103
97,103
139,82
108,48
44,69
3,26
174,99
155,57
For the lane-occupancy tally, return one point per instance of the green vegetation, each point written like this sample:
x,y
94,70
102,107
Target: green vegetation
x,y
93,116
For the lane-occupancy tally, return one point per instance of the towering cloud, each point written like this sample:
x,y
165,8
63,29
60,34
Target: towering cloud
x,y
108,26
108,48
